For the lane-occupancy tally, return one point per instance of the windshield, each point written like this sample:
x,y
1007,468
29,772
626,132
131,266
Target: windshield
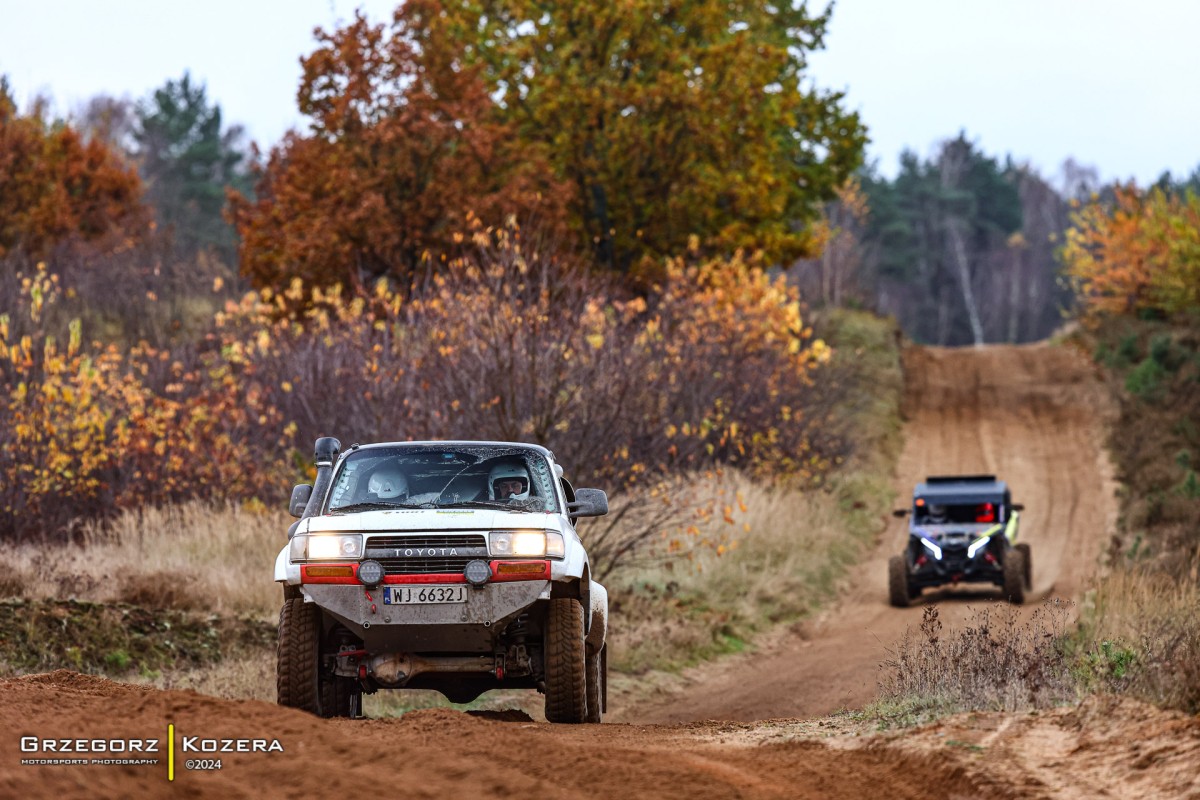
x,y
933,513
433,476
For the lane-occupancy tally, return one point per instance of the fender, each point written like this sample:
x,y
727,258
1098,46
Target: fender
x,y
598,632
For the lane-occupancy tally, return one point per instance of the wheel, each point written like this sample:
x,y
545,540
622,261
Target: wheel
x,y
597,668
1027,554
1014,576
297,656
298,679
898,587
566,679
340,697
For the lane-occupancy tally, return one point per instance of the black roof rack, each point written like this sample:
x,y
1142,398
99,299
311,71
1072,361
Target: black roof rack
x,y
961,479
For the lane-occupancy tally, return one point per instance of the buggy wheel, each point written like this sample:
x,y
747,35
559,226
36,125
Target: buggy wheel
x,y
899,590
297,656
1027,554
1014,576
566,679
596,676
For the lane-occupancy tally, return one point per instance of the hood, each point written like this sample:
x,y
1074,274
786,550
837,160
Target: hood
x,y
402,520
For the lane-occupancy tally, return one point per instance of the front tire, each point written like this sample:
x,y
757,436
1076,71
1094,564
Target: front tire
x,y
899,592
297,656
1027,554
597,669
566,678
1014,576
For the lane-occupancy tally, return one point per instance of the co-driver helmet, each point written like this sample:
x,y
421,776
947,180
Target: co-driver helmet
x,y
388,483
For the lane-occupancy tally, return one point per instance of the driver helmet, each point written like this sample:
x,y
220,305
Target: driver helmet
x,y
508,480
388,483
936,513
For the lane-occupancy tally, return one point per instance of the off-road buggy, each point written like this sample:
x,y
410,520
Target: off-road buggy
x,y
962,529
452,566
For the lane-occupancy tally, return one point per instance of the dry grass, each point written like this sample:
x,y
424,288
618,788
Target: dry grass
x,y
198,556
996,662
250,675
778,559
1142,636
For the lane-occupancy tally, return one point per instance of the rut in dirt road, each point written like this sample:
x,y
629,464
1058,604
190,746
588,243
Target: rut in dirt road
x,y
1033,415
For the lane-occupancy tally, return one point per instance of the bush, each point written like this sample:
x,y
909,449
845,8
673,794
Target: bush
x,y
1145,379
1142,638
996,662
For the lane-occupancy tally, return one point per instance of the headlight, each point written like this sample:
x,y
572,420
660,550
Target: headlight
x,y
521,544
327,546
975,545
933,548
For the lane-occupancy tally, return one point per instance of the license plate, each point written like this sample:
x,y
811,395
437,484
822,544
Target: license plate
x,y
422,595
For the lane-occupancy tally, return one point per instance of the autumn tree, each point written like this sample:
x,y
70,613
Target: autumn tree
x,y
403,146
56,185
1139,254
670,120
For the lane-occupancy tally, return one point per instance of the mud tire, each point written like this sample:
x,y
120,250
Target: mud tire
x,y
566,673
899,592
1027,554
1014,576
597,667
297,656
340,697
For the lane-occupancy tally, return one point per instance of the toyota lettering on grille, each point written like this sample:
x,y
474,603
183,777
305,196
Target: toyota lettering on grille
x,y
425,552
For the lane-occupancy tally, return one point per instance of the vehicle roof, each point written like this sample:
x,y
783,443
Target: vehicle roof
x,y
451,443
965,488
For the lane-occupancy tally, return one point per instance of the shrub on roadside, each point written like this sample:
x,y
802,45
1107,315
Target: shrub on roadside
x,y
995,662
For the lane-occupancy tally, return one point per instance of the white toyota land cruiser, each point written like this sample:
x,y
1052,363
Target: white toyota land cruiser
x,y
452,566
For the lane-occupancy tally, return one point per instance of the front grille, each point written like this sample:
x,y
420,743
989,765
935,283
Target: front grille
x,y
429,540
418,565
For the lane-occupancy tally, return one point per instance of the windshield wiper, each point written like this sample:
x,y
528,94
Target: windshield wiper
x,y
374,505
501,504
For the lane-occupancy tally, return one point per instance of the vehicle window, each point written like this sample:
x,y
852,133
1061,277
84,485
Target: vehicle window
x,y
426,476
931,513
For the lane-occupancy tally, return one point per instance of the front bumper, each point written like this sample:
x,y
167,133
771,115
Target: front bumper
x,y
470,627
956,567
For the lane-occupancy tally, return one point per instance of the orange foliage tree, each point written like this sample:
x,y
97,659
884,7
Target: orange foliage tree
x,y
403,142
1142,253
56,185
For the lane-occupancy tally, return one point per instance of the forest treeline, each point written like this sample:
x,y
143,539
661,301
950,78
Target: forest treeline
x,y
632,204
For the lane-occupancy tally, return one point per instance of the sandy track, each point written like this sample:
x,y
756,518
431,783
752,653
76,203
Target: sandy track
x,y
1034,416
1106,748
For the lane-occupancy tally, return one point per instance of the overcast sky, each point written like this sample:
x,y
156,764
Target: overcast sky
x,y
1109,82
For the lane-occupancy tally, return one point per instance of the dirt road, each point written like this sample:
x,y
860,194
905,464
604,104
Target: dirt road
x,y
1032,415
1028,414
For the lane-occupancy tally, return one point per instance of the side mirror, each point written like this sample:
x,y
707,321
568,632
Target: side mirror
x,y
301,494
1018,506
588,503
900,513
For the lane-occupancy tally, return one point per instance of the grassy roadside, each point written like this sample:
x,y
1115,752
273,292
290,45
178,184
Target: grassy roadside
x,y
1139,632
